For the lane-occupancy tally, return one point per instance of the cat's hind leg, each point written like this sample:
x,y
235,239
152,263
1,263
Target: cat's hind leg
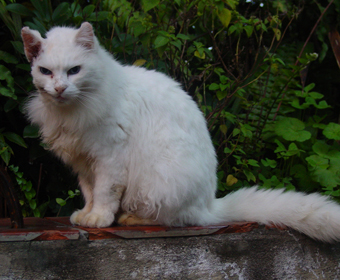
x,y
130,219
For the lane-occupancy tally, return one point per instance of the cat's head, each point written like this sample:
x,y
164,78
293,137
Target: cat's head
x,y
63,64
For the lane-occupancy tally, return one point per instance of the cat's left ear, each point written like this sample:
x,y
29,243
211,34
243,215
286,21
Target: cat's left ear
x,y
32,42
85,36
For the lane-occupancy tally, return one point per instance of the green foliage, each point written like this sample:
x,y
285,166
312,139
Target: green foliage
x,y
71,194
28,199
247,64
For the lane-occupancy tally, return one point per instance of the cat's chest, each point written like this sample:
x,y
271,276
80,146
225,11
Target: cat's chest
x,y
92,142
64,142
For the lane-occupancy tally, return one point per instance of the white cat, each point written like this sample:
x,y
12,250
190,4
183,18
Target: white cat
x,y
138,142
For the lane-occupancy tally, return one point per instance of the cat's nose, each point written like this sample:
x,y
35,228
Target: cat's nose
x,y
60,89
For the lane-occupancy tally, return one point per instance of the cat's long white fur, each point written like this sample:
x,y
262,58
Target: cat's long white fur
x,y
135,133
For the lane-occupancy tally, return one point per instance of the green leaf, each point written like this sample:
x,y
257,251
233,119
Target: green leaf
x,y
61,12
177,44
232,3
236,131
326,178
163,33
333,193
305,181
36,213
318,161
321,148
227,150
161,41
30,195
200,54
71,194
13,168
322,105
5,155
33,204
309,87
137,28
296,104
15,138
25,67
6,92
19,9
87,11
28,185
253,162
8,58
221,94
230,117
214,86
249,30
223,87
60,201
149,4
277,33
10,105
223,129
292,150
40,6
31,131
269,162
250,176
280,148
224,16
183,37
19,47
315,95
332,131
231,180
99,16
5,74
139,62
292,129
246,131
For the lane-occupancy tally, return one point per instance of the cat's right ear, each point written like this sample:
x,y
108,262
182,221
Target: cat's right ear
x,y
85,36
32,42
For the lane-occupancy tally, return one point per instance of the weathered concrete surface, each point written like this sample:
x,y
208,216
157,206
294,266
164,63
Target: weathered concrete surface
x,y
260,254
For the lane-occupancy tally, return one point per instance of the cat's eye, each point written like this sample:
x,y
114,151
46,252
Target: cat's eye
x,y
73,70
45,71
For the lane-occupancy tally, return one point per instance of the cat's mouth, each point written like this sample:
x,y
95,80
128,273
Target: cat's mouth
x,y
59,99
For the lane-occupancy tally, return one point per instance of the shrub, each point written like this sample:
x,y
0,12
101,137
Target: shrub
x,y
248,64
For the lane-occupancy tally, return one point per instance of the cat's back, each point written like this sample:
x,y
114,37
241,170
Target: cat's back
x,y
146,79
159,92
158,105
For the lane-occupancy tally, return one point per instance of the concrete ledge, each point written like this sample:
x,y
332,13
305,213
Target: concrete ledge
x,y
60,228
258,254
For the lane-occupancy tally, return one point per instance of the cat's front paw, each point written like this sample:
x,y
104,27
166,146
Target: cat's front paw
x,y
77,217
97,220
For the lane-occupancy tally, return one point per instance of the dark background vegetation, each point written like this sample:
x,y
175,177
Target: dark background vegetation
x,y
263,72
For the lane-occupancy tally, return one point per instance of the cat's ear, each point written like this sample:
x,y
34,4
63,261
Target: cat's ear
x,y
32,42
85,36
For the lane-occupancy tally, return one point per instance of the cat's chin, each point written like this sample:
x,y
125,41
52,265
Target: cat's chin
x,y
56,100
61,100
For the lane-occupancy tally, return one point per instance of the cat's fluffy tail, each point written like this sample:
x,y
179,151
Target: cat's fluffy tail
x,y
313,214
